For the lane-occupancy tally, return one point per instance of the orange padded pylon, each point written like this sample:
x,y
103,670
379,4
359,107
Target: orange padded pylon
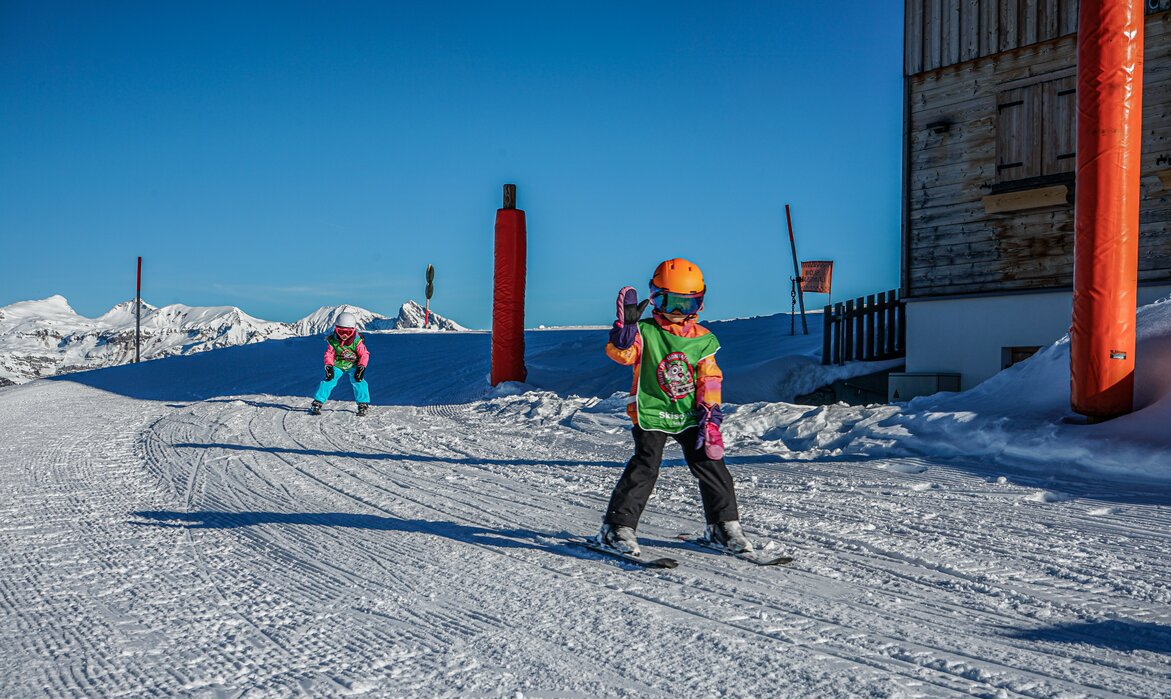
x,y
1109,139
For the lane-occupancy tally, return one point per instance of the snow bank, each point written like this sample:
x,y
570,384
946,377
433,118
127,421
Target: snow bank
x,y
1019,417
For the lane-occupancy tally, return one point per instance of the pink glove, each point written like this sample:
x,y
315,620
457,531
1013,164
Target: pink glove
x,y
710,439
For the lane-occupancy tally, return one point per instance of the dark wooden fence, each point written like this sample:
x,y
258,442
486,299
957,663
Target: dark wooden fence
x,y
866,329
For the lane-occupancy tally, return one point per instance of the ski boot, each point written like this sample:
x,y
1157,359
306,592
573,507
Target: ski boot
x,y
728,535
363,408
619,538
315,408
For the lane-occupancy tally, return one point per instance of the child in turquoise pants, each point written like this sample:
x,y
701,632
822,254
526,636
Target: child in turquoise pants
x,y
346,354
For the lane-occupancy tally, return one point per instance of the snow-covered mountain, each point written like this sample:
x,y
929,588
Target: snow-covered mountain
x,y
410,316
47,337
322,320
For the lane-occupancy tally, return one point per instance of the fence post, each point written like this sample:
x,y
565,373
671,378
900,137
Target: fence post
x,y
839,331
848,320
827,318
871,310
901,341
891,324
860,329
880,327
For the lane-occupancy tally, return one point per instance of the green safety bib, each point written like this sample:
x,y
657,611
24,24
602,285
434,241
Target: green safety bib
x,y
666,377
344,356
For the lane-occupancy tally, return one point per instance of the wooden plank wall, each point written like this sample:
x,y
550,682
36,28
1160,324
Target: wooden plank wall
x,y
953,244
943,33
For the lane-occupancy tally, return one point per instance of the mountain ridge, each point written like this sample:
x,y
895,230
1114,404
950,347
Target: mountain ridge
x,y
47,337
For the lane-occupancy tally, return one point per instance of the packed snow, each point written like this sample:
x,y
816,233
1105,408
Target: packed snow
x,y
47,337
182,526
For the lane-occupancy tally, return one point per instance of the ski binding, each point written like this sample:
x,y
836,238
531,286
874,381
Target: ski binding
x,y
759,557
594,545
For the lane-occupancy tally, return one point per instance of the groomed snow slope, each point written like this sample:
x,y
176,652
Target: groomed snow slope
x,y
183,527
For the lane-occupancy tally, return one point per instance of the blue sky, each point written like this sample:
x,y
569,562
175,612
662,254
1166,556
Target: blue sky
x,y
284,156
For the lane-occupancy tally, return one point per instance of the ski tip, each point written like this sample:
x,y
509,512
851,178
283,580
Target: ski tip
x,y
778,561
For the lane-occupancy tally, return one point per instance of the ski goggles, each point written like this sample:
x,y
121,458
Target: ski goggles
x,y
345,333
670,301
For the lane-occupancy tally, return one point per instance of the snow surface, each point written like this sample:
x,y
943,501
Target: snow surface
x,y
182,526
47,337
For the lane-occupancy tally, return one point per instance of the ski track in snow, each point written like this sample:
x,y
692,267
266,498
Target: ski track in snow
x,y
238,546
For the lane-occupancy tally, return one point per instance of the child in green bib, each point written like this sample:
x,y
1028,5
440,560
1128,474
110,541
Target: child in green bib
x,y
676,394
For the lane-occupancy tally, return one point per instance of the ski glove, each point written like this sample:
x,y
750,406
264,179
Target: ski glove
x,y
710,439
359,372
627,311
329,372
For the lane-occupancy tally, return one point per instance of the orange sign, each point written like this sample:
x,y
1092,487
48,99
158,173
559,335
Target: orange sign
x,y
816,276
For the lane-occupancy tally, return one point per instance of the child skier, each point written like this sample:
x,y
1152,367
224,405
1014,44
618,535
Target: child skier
x,y
676,393
345,352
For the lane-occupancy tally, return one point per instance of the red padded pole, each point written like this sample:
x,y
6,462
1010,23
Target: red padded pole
x,y
508,296
1109,140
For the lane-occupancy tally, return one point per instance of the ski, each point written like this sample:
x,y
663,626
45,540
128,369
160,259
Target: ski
x,y
760,558
593,545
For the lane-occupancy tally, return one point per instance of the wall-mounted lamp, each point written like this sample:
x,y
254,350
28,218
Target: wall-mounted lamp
x,y
941,126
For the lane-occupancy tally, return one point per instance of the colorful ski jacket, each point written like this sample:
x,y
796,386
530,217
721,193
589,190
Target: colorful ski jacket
x,y
708,377
344,356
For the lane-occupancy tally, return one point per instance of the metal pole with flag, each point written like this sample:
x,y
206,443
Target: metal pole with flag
x,y
796,270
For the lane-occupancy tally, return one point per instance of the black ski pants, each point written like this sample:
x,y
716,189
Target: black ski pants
x,y
638,480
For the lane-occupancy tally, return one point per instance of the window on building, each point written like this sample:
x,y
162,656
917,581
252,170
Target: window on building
x,y
1014,355
1036,133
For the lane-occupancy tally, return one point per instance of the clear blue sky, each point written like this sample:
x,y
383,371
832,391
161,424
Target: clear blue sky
x,y
283,156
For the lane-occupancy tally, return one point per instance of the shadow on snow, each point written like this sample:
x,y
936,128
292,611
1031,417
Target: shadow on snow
x,y
402,457
499,538
1115,634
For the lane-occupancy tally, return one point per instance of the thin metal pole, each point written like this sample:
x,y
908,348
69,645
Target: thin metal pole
x,y
138,316
796,270
792,306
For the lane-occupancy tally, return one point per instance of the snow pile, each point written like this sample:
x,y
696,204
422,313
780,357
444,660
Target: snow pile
x,y
47,337
1019,417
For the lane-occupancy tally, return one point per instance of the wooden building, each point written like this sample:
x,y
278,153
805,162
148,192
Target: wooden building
x,y
990,141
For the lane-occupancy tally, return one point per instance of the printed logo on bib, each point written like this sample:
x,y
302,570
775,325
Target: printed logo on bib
x,y
676,376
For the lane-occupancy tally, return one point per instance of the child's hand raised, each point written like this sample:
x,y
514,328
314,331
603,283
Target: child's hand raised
x,y
627,311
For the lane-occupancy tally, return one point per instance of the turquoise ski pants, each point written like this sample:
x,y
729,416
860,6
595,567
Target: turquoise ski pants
x,y
361,388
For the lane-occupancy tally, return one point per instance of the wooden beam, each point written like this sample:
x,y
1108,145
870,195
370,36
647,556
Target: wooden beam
x,y
1028,199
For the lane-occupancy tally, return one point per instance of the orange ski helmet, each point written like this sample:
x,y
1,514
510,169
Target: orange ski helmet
x,y
678,276
678,285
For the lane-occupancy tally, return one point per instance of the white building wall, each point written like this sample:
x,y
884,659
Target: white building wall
x,y
967,335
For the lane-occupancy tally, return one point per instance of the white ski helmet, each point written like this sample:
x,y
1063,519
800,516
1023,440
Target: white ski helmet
x,y
346,320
